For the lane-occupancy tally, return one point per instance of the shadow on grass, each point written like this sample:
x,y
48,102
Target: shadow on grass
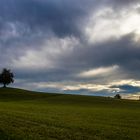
x,y
5,136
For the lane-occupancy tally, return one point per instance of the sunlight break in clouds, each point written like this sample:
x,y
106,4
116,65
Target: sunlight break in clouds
x,y
126,82
132,96
107,23
98,72
70,86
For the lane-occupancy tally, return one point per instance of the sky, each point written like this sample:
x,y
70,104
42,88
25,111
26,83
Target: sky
x,y
86,47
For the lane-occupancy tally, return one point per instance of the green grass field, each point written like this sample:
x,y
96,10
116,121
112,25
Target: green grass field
x,y
28,115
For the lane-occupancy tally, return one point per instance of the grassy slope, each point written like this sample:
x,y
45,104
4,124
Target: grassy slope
x,y
27,115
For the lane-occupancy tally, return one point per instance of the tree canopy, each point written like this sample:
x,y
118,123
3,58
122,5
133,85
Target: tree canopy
x,y
117,96
6,77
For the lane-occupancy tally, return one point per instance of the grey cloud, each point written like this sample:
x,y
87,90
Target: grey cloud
x,y
120,4
127,88
60,17
63,17
25,24
123,52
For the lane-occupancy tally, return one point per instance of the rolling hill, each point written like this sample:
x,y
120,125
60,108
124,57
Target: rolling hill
x,y
28,115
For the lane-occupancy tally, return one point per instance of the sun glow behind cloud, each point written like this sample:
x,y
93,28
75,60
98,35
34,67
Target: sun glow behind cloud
x,y
102,71
106,24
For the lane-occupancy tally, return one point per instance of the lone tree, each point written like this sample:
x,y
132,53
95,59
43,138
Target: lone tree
x,y
117,96
6,77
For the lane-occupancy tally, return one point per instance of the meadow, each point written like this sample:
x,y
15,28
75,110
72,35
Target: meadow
x,y
26,115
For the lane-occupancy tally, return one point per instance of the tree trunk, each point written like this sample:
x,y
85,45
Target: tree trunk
x,y
4,85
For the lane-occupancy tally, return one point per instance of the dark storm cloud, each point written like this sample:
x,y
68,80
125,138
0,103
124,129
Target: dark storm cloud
x,y
26,24
127,88
62,17
124,52
58,16
44,75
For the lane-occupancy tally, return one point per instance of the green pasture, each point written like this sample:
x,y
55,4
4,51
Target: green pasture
x,y
26,115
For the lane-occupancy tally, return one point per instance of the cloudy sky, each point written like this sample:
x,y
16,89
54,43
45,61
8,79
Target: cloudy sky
x,y
86,47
